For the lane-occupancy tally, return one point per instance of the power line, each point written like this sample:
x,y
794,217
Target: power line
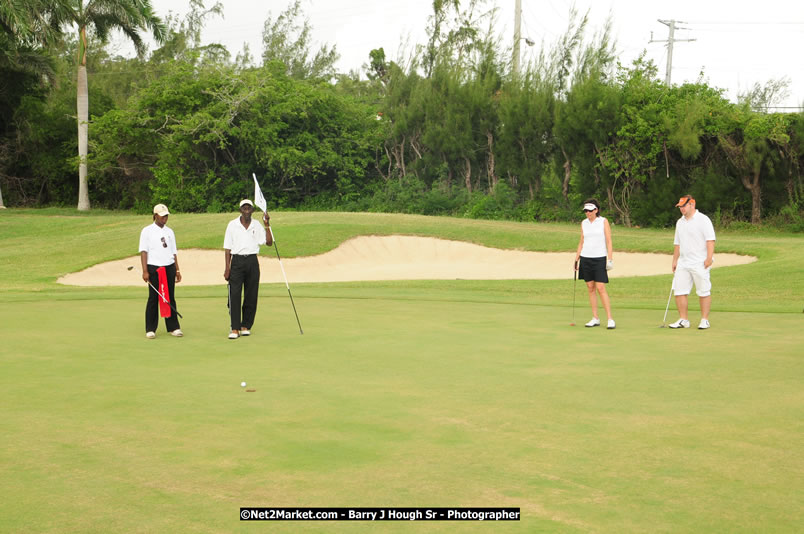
x,y
555,10
718,22
532,14
742,31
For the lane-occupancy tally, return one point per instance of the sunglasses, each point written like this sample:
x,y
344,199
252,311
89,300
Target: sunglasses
x,y
164,243
587,211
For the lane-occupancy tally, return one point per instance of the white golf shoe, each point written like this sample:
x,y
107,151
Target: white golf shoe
x,y
233,335
593,322
681,323
150,335
245,332
611,325
177,333
704,324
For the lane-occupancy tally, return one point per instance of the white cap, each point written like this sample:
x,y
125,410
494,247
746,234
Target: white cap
x,y
589,206
161,210
246,201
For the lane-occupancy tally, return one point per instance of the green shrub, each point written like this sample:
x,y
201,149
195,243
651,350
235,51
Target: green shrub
x,y
790,218
497,205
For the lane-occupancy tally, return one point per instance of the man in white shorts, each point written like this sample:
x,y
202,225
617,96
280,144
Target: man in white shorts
x,y
693,255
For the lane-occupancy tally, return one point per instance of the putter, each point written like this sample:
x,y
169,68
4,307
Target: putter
x,y
664,321
574,284
165,300
286,280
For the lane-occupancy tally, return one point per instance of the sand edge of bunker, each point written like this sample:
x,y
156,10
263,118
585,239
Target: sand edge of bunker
x,y
394,257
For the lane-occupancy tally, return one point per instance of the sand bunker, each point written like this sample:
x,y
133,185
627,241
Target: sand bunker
x,y
397,257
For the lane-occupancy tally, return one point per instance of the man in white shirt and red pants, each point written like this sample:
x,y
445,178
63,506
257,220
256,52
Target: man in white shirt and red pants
x,y
693,254
160,268
241,245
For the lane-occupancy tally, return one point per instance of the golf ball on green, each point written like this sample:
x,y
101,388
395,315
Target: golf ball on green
x,y
242,384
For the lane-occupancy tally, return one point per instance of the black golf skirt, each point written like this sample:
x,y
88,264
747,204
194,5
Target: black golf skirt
x,y
593,269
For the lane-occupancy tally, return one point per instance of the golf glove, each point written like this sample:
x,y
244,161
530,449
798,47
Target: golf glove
x,y
610,265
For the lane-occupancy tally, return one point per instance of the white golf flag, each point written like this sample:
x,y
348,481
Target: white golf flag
x,y
259,200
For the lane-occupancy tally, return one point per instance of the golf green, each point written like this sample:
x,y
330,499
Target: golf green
x,y
401,394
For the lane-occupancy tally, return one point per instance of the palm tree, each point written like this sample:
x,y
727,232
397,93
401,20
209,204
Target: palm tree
x,y
103,16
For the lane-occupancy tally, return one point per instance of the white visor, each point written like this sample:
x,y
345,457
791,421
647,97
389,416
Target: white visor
x,y
589,206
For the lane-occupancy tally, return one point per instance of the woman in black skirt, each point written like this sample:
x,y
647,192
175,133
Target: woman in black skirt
x,y
595,253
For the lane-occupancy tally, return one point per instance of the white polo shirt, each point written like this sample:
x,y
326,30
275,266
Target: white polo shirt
x,y
594,238
153,240
240,240
691,237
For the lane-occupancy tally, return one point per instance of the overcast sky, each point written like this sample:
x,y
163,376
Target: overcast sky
x,y
738,43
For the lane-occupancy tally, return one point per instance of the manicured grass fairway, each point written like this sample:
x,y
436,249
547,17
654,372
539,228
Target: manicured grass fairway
x,y
398,394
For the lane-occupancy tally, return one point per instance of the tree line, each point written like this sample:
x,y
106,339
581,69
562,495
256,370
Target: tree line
x,y
448,129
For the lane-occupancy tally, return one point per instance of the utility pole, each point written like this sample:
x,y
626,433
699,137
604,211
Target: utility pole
x,y
671,24
517,34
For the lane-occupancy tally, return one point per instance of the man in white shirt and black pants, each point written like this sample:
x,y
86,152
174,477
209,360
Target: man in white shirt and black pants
x,y
241,245
158,249
693,254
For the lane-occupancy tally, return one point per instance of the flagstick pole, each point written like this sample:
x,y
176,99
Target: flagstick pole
x,y
259,200
286,281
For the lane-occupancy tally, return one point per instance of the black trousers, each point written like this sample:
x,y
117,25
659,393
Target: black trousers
x,y
244,277
152,308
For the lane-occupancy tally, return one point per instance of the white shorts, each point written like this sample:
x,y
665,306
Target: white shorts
x,y
684,278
